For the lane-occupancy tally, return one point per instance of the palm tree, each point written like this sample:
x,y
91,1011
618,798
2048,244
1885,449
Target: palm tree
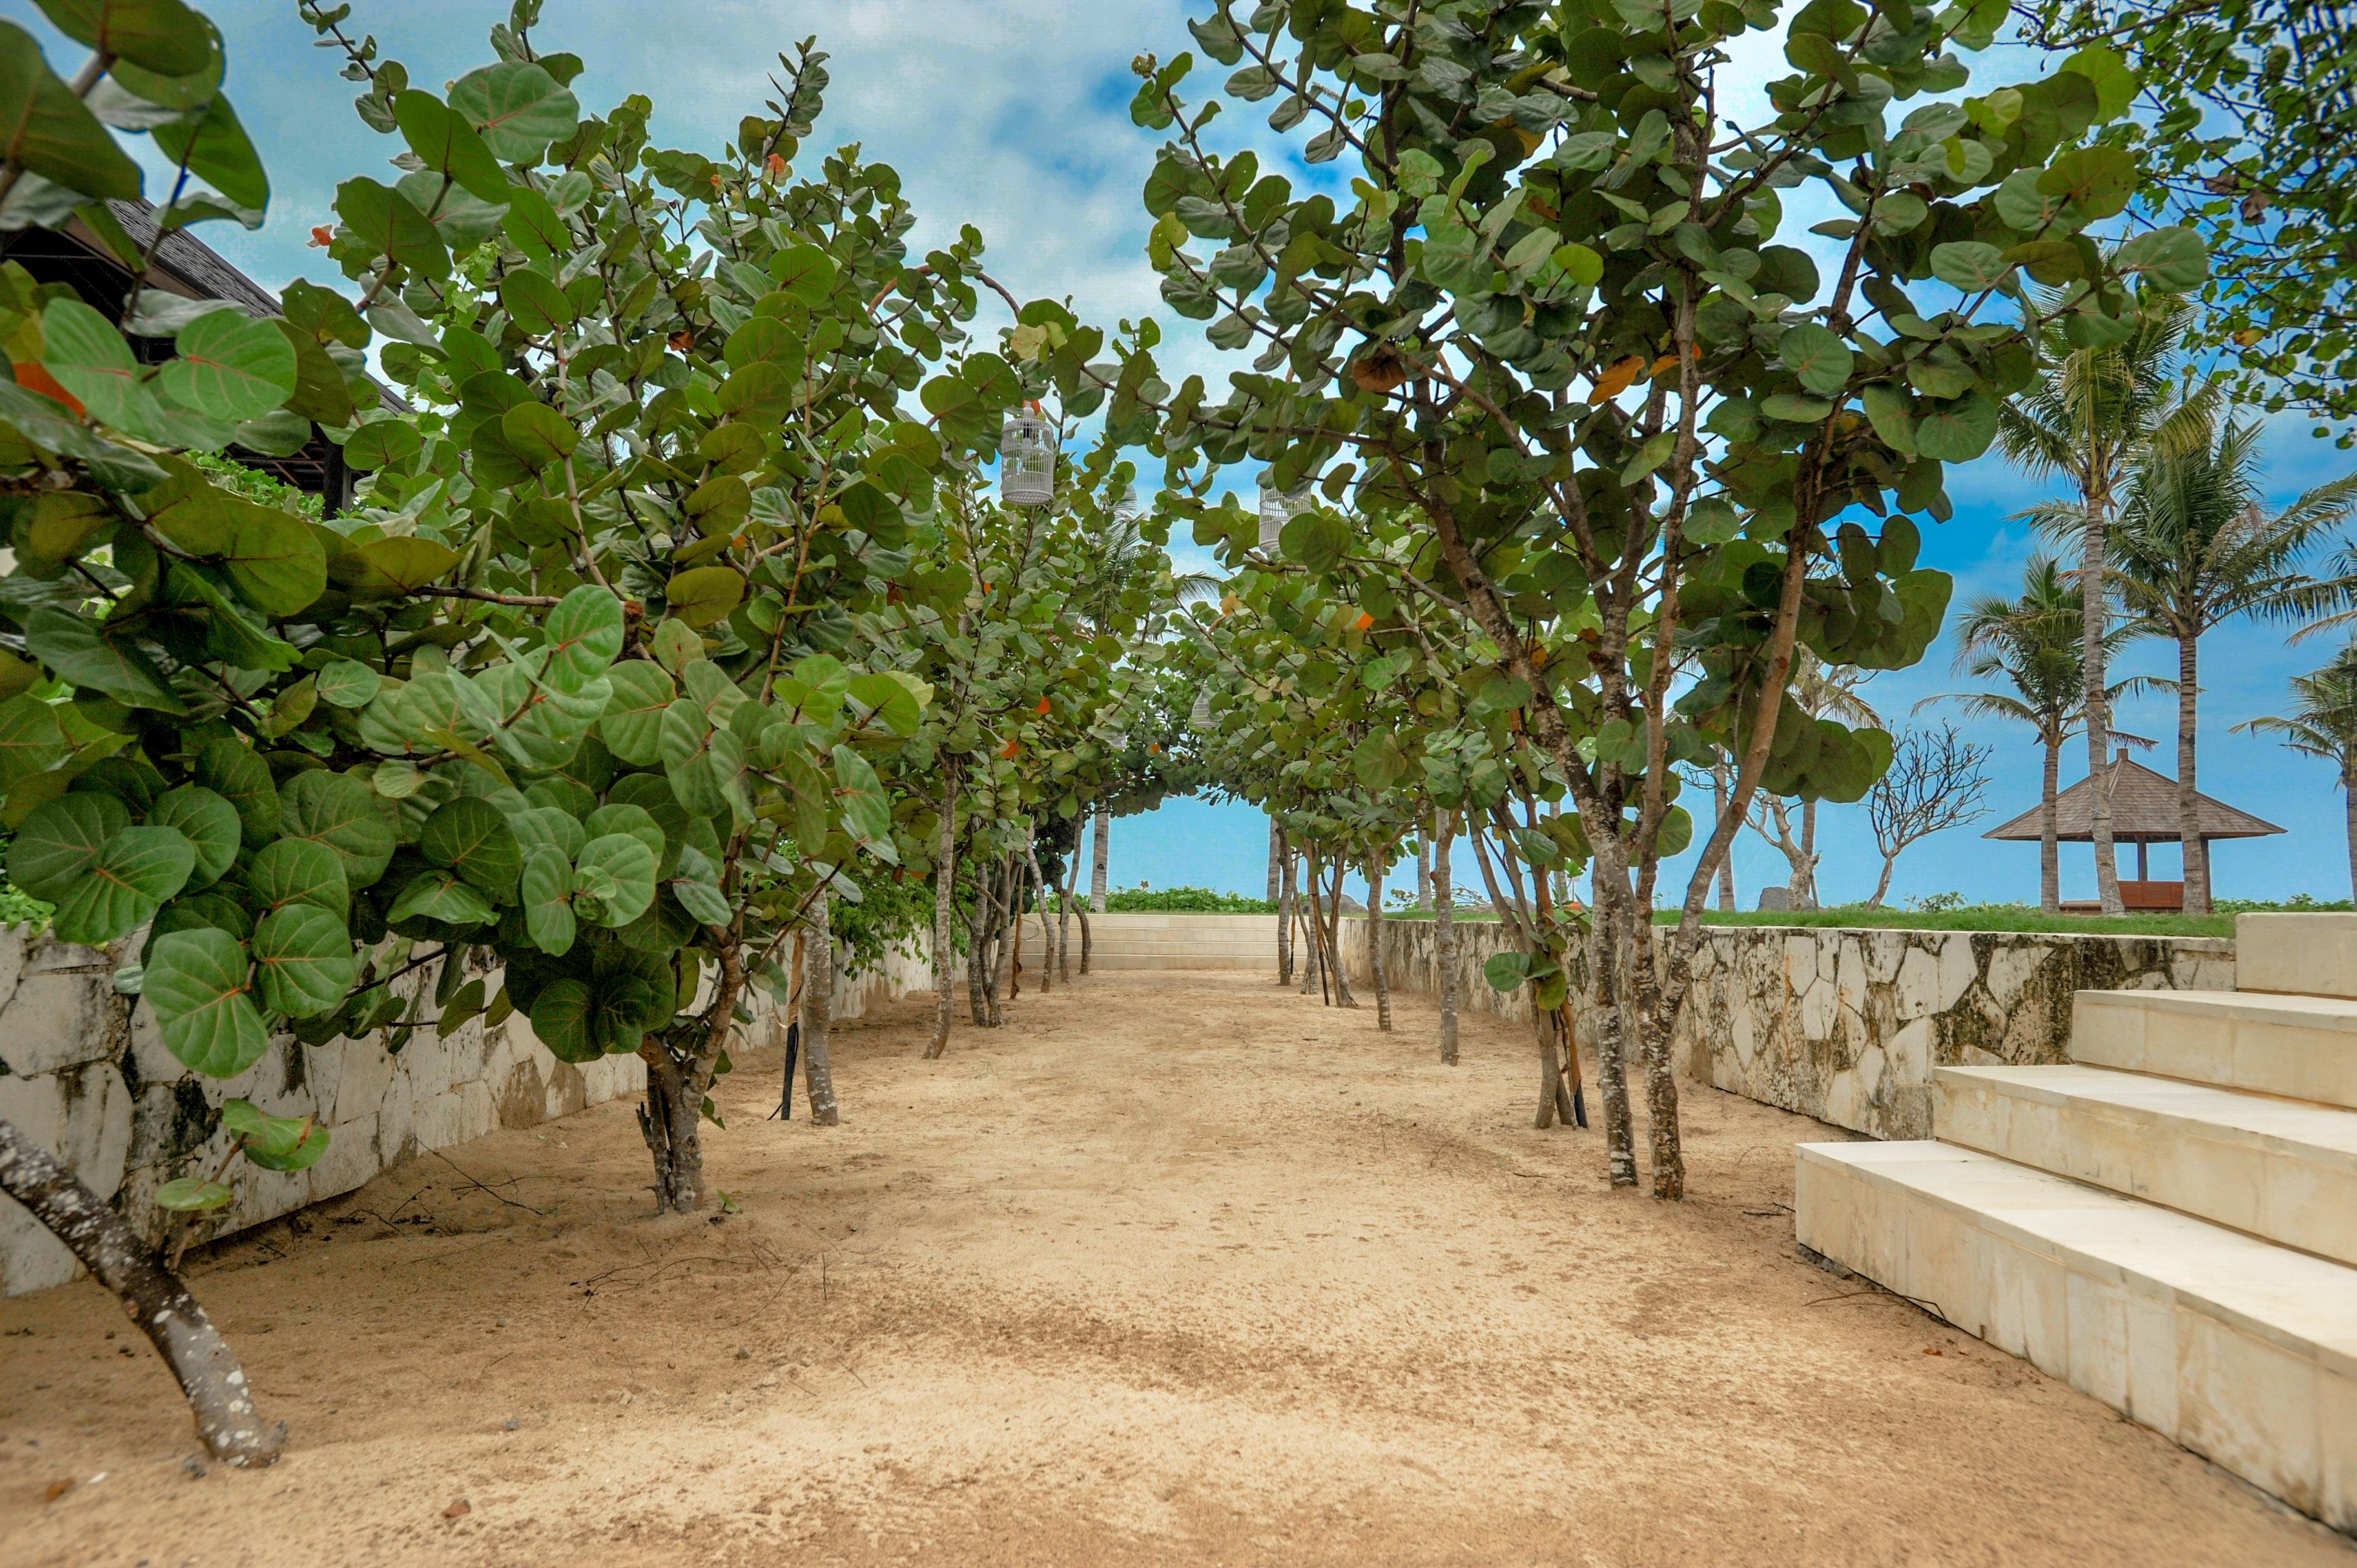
x,y
2032,644
2087,420
2196,549
2323,724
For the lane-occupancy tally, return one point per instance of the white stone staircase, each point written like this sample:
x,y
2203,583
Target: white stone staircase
x,y
2169,1222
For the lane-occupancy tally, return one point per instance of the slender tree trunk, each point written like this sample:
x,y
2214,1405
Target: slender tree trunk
x,y
1284,902
2189,795
1313,973
2050,844
1104,858
1275,858
1046,937
1375,944
1444,931
978,962
1882,882
2095,594
153,1297
1005,962
1342,997
1088,940
667,1121
1424,871
818,1013
1064,912
944,912
1806,894
1720,803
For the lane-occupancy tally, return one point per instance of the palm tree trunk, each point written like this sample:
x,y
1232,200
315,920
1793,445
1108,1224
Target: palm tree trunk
x,y
2050,846
944,904
2094,592
2189,797
1444,929
1103,856
2348,821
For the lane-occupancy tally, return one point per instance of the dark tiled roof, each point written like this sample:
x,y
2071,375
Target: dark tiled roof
x,y
2144,806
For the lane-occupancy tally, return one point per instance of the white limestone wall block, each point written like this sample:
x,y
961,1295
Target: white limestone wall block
x,y
2314,955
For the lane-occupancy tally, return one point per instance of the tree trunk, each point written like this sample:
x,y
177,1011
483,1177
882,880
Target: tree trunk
x,y
818,1014
2189,796
1284,902
2095,595
2050,844
978,963
1720,801
1104,858
1064,913
667,1121
1005,962
1805,896
1088,940
1313,973
1444,932
1046,937
1275,858
1669,1160
1882,882
153,1297
1375,944
945,906
1424,871
2349,823
1342,997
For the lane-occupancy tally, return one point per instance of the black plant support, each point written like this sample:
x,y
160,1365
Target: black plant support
x,y
785,1111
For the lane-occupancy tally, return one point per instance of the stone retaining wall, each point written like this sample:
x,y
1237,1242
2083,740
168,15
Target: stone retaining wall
x,y
84,1071
1846,1024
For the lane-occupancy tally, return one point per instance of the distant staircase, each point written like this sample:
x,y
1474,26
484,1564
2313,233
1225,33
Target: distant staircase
x,y
2169,1222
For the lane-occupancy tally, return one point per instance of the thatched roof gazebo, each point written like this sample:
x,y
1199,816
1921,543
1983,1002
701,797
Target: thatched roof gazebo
x,y
2144,812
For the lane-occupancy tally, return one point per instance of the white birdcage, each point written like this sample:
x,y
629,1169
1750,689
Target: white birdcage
x,y
1026,459
1202,716
1278,508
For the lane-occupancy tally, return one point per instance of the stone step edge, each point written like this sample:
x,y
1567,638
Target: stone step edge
x,y
2000,1080
2296,1009
2330,1281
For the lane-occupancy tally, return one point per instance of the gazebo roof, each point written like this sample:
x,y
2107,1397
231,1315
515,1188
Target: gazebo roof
x,y
2143,809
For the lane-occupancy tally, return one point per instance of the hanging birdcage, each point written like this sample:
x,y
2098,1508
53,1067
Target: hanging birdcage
x,y
1026,459
1202,716
1278,508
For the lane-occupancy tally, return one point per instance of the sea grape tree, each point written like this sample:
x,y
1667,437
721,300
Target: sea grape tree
x,y
1547,307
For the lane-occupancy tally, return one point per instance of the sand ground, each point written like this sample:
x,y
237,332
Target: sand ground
x,y
1176,1269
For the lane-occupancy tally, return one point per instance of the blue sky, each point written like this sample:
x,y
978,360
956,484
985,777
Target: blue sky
x,y
1012,115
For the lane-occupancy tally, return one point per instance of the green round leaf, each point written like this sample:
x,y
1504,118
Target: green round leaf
x,y
472,838
234,772
274,559
230,366
624,861
2171,259
61,842
584,633
1968,267
339,811
298,871
704,595
1819,358
547,885
134,873
77,653
197,987
305,960
518,107
538,435
440,897
1956,431
189,1194
632,724
348,683
275,1142
30,740
385,443
210,824
562,1016
623,818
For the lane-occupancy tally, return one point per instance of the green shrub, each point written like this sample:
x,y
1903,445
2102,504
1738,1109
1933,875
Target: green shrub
x,y
1184,901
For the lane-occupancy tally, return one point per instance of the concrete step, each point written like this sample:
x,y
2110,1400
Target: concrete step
x,y
2243,1351
2305,1047
2282,1169
2313,955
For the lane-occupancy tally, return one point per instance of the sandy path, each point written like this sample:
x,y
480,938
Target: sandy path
x,y
1176,1270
